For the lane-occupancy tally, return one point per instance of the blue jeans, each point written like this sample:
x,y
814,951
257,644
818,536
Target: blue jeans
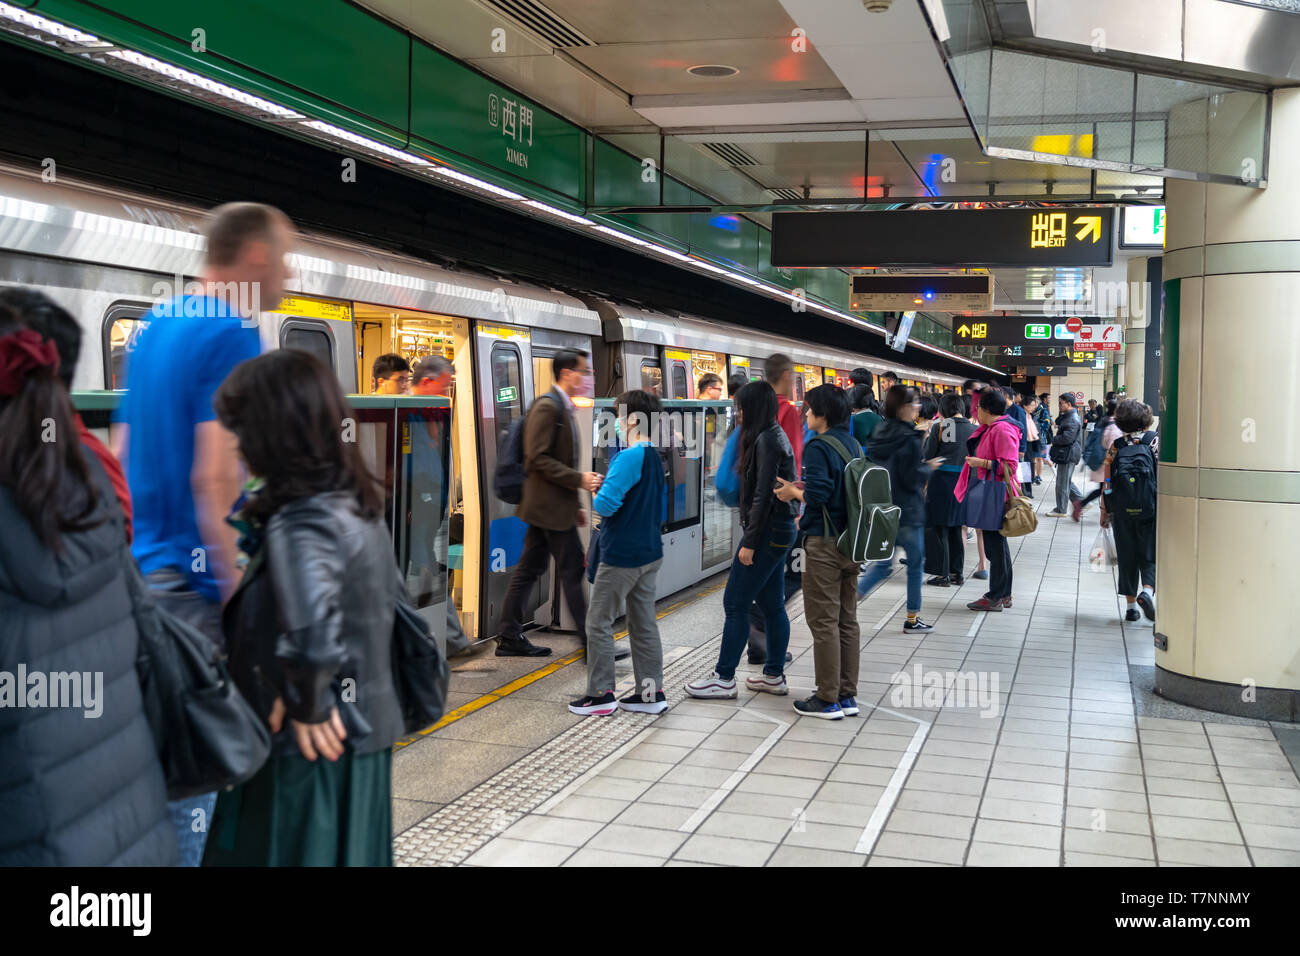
x,y
192,828
911,538
762,582
171,590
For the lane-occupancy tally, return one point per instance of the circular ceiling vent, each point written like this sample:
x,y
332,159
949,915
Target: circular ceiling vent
x,y
712,69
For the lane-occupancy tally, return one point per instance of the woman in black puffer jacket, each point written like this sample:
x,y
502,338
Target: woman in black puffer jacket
x,y
80,781
896,444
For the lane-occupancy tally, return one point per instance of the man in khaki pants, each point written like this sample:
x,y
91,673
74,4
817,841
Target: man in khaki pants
x,y
829,579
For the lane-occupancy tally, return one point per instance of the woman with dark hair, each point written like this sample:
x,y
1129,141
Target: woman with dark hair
x,y
78,791
758,571
896,444
945,446
927,411
866,412
994,449
1129,505
1110,431
309,629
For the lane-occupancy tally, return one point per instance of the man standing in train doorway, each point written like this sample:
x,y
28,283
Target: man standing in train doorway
x,y
550,505
434,375
181,464
779,372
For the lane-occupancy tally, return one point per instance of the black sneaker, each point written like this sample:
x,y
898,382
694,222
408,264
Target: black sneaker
x,y
639,705
760,657
940,581
814,706
956,580
1147,602
917,626
621,651
520,647
602,706
1132,615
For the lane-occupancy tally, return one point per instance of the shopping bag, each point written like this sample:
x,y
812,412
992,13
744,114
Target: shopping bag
x,y
985,502
1025,472
1102,556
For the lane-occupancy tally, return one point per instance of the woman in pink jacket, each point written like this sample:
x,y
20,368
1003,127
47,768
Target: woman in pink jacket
x,y
995,447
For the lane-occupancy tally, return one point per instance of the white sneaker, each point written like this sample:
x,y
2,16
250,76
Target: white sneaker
x,y
767,684
712,687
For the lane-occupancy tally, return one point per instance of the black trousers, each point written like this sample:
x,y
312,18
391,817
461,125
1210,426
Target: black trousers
x,y
998,550
945,551
793,585
570,563
1135,546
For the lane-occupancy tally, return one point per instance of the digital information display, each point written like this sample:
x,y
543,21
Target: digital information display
x,y
1142,227
1078,236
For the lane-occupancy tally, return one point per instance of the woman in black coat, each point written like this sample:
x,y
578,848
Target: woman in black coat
x,y
309,628
80,781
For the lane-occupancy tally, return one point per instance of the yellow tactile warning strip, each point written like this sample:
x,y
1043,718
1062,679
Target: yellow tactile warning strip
x,y
505,690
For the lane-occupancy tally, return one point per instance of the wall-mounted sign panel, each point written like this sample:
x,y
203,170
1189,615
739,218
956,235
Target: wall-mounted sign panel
x,y
1022,330
1080,236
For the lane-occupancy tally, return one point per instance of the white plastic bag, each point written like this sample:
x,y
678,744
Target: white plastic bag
x,y
1102,555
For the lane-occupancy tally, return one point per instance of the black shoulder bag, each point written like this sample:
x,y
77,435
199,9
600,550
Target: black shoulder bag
x,y
420,671
208,737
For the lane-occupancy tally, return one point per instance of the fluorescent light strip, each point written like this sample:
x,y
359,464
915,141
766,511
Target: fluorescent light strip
x,y
334,132
475,183
46,25
202,82
559,213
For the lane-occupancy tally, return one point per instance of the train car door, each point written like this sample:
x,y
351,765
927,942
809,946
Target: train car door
x,y
503,393
679,373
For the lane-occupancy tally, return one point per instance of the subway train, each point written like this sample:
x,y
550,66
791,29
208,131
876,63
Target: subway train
x,y
108,256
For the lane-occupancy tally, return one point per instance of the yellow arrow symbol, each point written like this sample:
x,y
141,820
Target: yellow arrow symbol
x,y
1091,224
964,330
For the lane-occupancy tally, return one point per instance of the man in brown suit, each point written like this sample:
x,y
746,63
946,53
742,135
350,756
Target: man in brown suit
x,y
550,505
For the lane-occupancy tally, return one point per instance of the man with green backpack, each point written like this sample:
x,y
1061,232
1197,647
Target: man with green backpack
x,y
843,529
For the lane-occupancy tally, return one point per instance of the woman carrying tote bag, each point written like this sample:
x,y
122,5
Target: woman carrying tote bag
x,y
982,489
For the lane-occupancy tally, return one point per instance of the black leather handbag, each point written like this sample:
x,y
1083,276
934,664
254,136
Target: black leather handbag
x,y
420,671
208,736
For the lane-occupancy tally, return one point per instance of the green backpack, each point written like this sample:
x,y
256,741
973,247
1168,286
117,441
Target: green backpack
x,y
873,516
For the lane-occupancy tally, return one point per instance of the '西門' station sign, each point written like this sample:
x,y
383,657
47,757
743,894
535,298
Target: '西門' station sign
x,y
1026,237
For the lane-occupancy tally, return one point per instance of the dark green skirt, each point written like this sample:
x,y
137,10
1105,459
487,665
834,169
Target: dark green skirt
x,y
297,812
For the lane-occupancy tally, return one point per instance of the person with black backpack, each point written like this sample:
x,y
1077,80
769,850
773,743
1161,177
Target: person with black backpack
x,y
1095,450
829,577
1065,450
1129,506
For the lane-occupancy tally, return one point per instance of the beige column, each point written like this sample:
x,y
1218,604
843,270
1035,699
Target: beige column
x,y
1228,541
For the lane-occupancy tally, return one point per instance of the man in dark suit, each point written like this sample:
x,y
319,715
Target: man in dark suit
x,y
550,504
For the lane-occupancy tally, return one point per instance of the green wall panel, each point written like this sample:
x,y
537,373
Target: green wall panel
x,y
457,108
326,49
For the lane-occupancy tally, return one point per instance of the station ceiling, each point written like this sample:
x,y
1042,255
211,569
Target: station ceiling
x,y
827,102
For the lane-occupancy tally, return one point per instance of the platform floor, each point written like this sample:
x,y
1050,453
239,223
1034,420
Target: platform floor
x,y
1055,753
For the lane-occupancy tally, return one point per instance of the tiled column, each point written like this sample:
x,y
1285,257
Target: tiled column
x,y
1229,502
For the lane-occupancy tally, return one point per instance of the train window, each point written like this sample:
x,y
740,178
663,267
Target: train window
x,y
314,338
798,387
680,388
122,327
684,456
507,387
652,377
717,519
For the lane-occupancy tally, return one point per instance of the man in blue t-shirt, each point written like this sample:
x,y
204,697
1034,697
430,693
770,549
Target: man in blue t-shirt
x,y
182,466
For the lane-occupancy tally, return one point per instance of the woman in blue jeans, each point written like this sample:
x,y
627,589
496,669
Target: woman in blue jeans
x,y
896,444
758,571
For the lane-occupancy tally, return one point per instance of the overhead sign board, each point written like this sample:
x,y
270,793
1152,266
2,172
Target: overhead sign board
x,y
1022,330
1026,237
